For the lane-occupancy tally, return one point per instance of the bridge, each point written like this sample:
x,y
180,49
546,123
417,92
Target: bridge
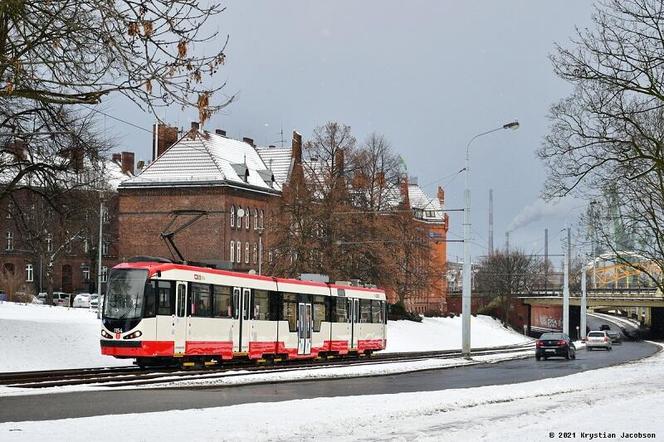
x,y
646,303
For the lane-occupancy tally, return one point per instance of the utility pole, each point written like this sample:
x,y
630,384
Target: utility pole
x,y
490,222
546,260
584,303
566,283
99,256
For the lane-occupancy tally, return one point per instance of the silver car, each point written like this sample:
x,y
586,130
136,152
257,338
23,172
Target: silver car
x,y
598,339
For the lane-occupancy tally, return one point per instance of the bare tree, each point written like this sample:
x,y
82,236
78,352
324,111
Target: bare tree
x,y
608,135
503,275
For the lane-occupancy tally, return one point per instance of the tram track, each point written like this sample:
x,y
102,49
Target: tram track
x,y
136,376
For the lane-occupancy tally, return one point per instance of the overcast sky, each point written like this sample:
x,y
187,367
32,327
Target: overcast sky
x,y
427,74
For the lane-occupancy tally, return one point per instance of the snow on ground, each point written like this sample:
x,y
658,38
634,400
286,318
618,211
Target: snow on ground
x,y
41,337
445,334
615,400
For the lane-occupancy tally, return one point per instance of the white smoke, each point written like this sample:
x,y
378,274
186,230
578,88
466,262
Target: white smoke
x,y
540,209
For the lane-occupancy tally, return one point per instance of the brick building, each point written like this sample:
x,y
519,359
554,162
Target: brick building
x,y
428,215
75,266
224,178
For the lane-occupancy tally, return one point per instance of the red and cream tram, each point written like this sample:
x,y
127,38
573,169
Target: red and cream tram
x,y
155,311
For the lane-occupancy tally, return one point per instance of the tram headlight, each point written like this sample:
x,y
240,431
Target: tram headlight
x,y
136,334
106,335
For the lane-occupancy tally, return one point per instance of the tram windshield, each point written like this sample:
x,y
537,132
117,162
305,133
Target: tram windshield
x,y
124,299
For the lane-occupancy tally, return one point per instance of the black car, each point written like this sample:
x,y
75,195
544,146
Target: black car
x,y
554,344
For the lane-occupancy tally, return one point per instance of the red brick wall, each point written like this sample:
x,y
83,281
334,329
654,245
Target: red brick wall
x,y
145,213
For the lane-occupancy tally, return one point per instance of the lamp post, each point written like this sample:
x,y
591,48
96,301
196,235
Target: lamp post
x,y
466,289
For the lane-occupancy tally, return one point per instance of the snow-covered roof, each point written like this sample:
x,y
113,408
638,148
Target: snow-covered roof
x,y
114,174
207,159
430,208
278,160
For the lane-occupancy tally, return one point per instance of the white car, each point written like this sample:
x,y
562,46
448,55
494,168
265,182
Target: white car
x,y
598,339
82,300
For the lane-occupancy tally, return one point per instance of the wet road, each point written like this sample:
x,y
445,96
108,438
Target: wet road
x,y
79,404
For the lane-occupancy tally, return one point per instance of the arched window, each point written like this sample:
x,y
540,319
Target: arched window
x,y
246,253
260,224
246,218
232,219
255,219
232,251
238,250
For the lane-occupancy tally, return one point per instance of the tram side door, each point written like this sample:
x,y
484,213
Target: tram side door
x,y
180,319
354,318
242,317
304,328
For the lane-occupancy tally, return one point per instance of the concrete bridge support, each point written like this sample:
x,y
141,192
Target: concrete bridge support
x,y
657,322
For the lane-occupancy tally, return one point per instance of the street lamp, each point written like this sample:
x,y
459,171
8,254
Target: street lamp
x,y
465,299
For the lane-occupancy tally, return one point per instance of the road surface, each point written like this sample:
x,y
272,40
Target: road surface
x,y
93,403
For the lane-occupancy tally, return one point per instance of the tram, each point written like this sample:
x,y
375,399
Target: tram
x,y
157,312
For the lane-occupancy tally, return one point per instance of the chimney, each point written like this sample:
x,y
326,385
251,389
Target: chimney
x,y
271,146
413,180
441,196
249,141
128,162
164,136
17,148
195,125
339,160
296,148
117,158
76,158
405,200
220,132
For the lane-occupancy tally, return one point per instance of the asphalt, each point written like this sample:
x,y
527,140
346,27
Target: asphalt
x,y
94,403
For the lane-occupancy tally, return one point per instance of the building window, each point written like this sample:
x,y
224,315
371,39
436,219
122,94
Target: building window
x,y
105,216
10,208
104,274
232,249
86,245
104,248
255,219
10,241
86,274
261,219
238,251
49,243
29,273
232,217
246,218
255,254
246,253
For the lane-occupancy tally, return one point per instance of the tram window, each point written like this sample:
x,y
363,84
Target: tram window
x,y
365,311
289,310
320,311
221,303
165,297
376,312
261,305
200,300
339,310
149,304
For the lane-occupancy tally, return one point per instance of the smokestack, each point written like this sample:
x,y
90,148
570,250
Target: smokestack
x,y
490,222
